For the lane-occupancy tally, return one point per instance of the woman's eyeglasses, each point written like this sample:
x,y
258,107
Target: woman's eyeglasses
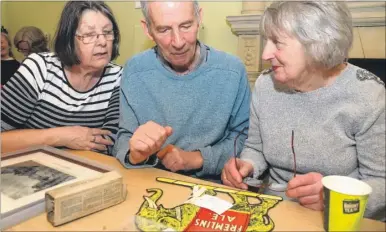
x,y
92,38
255,184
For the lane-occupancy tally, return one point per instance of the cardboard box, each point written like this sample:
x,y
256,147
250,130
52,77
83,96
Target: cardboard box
x,y
82,198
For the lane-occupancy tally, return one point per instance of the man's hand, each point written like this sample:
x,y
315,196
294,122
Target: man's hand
x,y
232,176
176,159
147,140
308,189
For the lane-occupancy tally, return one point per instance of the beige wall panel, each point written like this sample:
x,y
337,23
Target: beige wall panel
x,y
141,41
356,50
373,41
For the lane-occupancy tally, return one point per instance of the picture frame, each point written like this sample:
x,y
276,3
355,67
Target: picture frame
x,y
27,174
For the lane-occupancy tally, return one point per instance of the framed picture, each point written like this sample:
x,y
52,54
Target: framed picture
x,y
26,175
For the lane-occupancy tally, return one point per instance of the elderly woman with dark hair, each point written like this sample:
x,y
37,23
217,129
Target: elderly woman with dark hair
x,y
312,102
69,98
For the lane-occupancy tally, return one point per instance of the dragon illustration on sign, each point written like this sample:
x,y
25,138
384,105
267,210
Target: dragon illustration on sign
x,y
243,216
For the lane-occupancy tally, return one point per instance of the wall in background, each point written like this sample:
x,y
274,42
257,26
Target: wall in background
x,y
45,15
17,14
3,10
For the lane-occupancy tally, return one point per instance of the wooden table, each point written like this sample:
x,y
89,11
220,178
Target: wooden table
x,y
287,215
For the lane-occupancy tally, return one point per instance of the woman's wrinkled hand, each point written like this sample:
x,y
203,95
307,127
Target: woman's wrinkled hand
x,y
233,176
308,190
82,138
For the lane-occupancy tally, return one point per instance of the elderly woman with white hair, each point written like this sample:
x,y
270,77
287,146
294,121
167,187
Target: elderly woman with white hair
x,y
312,101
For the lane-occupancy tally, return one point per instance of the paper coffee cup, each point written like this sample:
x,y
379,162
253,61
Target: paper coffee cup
x,y
345,200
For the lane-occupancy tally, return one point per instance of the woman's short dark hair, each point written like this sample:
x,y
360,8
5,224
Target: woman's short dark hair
x,y
68,24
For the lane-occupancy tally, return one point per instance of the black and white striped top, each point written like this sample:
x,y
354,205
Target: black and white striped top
x,y
40,96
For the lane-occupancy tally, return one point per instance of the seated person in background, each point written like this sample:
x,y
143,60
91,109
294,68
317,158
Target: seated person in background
x,y
181,93
8,63
69,98
330,112
30,40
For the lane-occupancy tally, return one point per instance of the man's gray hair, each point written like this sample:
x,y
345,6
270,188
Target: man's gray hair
x,y
324,28
145,10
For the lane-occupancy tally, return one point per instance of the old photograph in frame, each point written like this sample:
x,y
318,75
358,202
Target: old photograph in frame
x,y
27,174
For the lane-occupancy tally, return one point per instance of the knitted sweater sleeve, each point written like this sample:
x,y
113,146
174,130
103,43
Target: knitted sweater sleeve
x,y
370,145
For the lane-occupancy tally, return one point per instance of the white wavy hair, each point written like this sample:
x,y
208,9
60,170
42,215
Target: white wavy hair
x,y
324,28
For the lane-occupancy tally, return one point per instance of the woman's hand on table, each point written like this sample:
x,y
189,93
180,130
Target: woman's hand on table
x,y
233,176
81,138
307,189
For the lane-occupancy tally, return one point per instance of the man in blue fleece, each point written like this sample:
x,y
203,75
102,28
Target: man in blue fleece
x,y
181,93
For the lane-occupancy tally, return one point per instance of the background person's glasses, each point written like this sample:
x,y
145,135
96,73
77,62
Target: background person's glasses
x,y
255,185
91,38
26,46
